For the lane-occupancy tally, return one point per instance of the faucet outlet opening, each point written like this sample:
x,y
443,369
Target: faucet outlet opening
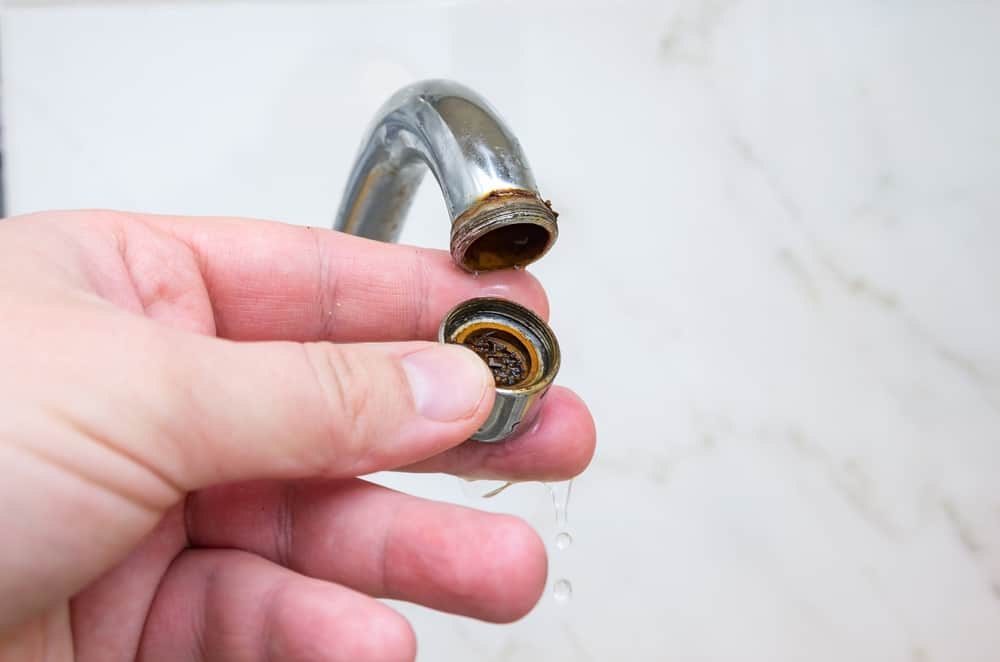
x,y
510,246
503,230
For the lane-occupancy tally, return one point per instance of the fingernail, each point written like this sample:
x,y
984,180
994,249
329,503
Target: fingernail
x,y
447,381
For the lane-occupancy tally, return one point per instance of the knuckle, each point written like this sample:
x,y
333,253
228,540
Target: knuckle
x,y
345,391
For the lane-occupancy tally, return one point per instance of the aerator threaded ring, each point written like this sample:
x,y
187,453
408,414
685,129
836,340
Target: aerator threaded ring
x,y
519,348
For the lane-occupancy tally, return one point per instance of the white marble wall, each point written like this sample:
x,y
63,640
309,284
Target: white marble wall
x,y
781,217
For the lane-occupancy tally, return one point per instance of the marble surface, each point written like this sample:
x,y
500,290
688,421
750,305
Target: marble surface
x,y
783,218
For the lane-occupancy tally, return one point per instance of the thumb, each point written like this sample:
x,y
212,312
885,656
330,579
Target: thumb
x,y
241,411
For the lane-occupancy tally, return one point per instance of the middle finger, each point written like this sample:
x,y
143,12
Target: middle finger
x,y
381,542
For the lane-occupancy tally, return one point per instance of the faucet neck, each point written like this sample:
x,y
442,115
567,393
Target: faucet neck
x,y
498,218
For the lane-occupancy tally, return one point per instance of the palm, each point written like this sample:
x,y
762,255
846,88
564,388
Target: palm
x,y
282,569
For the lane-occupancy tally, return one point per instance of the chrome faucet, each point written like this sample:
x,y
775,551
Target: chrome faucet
x,y
498,221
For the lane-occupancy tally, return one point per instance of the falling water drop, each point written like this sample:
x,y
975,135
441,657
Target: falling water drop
x,y
560,500
562,590
564,540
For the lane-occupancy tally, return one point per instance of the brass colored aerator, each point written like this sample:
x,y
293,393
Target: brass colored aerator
x,y
519,348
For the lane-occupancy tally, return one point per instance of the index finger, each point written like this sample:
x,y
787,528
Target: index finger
x,y
272,281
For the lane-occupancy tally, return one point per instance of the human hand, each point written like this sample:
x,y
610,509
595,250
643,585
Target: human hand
x,y
185,405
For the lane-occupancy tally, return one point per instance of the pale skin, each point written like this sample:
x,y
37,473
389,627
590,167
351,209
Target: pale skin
x,y
185,406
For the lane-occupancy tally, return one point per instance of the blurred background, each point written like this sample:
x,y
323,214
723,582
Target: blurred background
x,y
783,219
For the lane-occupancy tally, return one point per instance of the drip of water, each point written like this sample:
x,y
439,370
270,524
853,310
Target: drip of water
x,y
560,500
562,590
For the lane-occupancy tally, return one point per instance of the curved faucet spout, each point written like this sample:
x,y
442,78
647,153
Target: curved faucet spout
x,y
498,218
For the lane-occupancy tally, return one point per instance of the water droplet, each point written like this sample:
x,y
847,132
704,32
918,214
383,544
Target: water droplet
x,y
562,590
564,540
